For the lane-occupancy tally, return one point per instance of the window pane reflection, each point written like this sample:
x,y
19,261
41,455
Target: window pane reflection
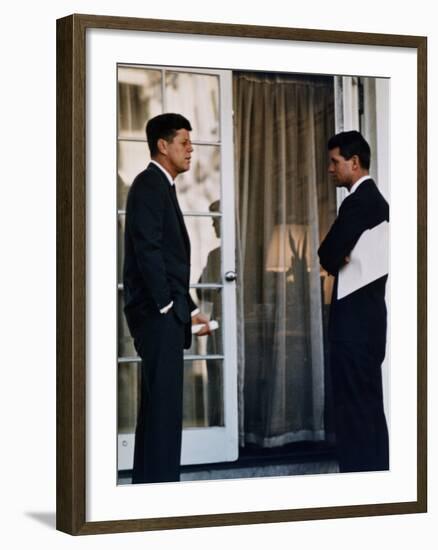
x,y
203,394
204,232
199,187
133,157
128,390
120,248
139,99
125,344
196,97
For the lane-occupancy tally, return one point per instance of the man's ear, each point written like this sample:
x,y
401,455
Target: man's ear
x,y
162,146
356,162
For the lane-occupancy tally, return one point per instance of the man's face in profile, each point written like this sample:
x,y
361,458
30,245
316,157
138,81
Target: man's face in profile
x,y
179,152
340,169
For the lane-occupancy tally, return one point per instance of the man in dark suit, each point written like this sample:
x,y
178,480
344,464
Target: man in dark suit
x,y
357,323
158,307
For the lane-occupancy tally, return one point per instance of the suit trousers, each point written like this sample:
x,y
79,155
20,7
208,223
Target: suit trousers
x,y
157,451
360,423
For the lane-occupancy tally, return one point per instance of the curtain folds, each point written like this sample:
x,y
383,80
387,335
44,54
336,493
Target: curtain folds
x,y
284,206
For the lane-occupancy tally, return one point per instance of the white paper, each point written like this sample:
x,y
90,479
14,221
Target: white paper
x,y
212,325
368,260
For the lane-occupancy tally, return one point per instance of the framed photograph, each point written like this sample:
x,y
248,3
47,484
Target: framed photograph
x,y
260,426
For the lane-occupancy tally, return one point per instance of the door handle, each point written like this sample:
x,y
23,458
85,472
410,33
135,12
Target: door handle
x,y
230,276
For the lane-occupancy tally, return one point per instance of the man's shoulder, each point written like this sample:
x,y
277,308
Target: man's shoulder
x,y
147,187
148,179
366,192
375,199
369,189
367,203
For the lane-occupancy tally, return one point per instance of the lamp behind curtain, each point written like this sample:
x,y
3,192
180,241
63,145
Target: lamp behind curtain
x,y
285,204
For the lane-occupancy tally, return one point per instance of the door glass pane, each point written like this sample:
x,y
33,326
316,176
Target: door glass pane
x,y
204,232
125,344
139,99
120,248
202,401
196,97
203,394
200,186
133,157
128,396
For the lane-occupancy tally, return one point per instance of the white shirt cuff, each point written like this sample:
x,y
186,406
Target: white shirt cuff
x,y
195,311
165,309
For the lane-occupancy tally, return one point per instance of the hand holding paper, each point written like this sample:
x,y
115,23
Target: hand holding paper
x,y
212,325
202,321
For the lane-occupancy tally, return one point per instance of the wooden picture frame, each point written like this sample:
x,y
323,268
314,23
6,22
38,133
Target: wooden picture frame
x,y
71,273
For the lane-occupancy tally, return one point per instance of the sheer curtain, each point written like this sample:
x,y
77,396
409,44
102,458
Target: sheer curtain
x,y
284,205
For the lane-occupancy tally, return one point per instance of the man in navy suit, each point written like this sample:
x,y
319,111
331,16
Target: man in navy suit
x,y
158,307
357,323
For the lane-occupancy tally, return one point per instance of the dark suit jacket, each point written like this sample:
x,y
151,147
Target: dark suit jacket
x,y
360,316
157,252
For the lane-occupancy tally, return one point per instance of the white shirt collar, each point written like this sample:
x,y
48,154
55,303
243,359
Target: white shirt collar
x,y
165,172
358,182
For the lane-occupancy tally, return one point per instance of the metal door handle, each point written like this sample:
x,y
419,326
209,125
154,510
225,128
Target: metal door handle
x,y
230,276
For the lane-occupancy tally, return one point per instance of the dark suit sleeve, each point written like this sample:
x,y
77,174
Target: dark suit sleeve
x,y
343,235
192,305
146,216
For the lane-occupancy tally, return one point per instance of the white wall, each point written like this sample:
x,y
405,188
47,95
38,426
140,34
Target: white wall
x,y
28,274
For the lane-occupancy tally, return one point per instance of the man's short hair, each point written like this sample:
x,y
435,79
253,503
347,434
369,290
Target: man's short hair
x,y
164,126
352,143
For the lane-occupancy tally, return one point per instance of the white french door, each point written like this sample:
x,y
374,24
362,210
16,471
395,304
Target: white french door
x,y
206,197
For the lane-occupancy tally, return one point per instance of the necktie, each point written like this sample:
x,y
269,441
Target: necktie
x,y
175,199
179,214
173,192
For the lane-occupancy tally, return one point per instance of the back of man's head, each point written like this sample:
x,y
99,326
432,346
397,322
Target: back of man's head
x,y
165,127
352,143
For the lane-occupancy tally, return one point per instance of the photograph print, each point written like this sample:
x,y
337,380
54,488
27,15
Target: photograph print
x,y
252,220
